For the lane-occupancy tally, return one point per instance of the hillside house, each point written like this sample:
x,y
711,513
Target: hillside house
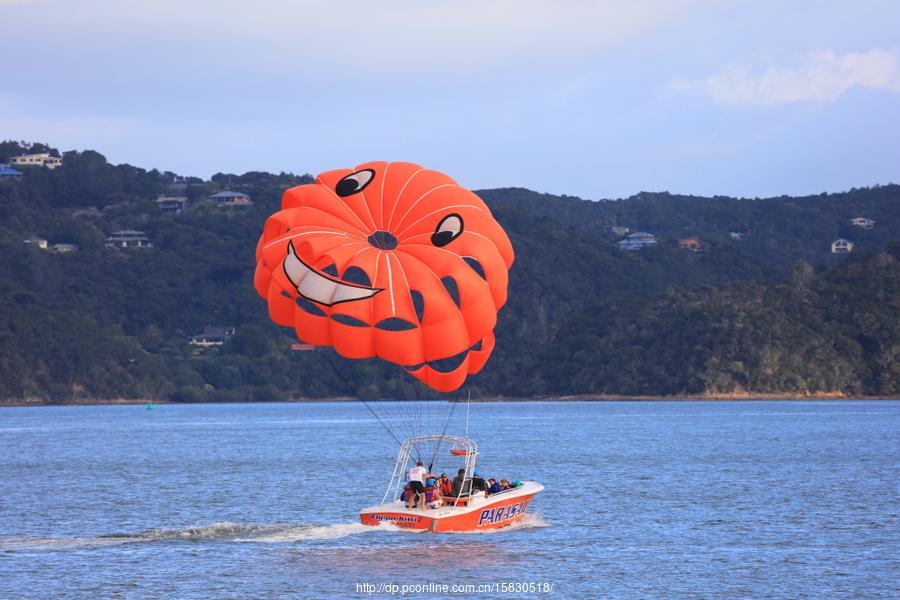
x,y
172,204
7,172
618,230
694,245
212,335
128,238
637,241
862,222
36,241
302,347
63,248
227,198
841,246
737,235
42,159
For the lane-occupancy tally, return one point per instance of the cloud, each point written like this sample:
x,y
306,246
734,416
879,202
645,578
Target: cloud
x,y
823,78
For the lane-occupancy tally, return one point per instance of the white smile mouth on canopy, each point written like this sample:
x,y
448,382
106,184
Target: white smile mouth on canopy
x,y
315,286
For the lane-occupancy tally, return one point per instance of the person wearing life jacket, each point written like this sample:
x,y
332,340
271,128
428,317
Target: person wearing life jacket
x,y
494,487
409,496
445,486
432,495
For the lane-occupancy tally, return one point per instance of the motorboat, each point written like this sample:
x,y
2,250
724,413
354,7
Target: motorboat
x,y
473,510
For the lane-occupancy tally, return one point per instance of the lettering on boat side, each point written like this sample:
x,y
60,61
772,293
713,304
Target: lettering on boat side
x,y
398,518
502,513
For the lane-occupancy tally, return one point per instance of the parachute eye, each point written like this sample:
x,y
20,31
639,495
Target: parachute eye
x,y
354,183
447,230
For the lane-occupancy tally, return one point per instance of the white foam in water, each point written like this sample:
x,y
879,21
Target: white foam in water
x,y
299,533
531,520
50,544
230,532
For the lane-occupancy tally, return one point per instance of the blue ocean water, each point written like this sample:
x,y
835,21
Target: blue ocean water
x,y
643,500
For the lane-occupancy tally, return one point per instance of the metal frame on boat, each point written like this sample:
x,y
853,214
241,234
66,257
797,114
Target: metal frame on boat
x,y
404,459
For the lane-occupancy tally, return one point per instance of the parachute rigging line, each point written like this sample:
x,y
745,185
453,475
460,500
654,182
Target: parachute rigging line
x,y
437,446
374,414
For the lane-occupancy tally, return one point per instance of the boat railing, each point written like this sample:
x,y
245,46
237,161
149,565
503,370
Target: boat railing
x,y
404,458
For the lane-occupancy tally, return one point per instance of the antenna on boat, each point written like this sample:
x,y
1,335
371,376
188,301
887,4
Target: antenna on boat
x,y
468,400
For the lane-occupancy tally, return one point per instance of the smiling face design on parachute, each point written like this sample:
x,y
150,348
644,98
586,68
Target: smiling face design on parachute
x,y
389,260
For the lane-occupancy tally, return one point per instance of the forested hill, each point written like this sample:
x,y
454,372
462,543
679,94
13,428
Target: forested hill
x,y
772,311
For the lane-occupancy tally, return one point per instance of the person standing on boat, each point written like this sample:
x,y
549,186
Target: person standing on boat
x,y
417,473
417,480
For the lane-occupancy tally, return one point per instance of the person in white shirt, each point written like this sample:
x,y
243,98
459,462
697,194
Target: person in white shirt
x,y
417,473
416,481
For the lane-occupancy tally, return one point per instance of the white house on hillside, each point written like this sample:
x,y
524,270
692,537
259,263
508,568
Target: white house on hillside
x,y
42,159
36,241
212,335
128,238
864,222
841,246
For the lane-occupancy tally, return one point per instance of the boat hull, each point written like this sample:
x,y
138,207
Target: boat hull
x,y
481,513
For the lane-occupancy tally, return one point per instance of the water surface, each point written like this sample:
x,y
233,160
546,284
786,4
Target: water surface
x,y
643,500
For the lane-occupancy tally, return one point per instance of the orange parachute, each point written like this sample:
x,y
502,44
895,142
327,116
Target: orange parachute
x,y
390,260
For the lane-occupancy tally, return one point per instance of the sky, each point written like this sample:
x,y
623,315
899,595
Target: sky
x,y
598,99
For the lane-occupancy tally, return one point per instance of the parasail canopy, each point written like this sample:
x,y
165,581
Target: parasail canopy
x,y
390,260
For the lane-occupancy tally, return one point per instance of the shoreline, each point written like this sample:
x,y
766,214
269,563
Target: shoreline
x,y
732,397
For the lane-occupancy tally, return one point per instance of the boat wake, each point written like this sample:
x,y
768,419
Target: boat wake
x,y
227,532
217,532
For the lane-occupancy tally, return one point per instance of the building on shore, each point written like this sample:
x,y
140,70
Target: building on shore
x,y
7,172
228,198
863,222
128,238
172,204
694,245
212,335
41,159
637,241
841,246
62,248
33,240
